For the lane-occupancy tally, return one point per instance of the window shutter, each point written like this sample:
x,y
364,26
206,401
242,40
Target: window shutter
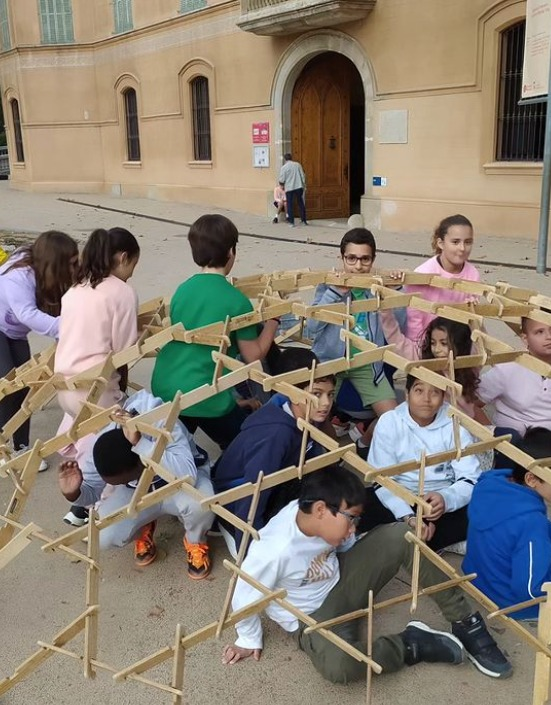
x,y
5,41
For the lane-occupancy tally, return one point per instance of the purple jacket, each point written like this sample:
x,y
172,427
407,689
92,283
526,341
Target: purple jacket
x,y
18,311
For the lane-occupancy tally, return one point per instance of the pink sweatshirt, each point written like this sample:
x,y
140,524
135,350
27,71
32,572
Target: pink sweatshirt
x,y
93,323
419,320
412,351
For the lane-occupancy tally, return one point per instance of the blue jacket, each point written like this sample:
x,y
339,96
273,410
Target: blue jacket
x,y
269,440
327,343
508,541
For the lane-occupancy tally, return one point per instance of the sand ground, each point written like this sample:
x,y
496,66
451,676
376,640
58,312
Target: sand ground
x,y
139,609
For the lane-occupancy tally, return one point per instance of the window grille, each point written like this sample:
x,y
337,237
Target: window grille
x,y
56,21
132,126
18,135
200,109
520,128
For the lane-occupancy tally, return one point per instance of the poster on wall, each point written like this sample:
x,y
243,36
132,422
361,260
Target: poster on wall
x,y
537,46
261,132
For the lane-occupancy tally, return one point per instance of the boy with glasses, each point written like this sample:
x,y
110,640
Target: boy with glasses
x,y
358,250
297,551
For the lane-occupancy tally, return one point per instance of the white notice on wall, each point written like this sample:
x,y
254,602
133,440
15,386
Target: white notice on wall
x,y
261,157
537,45
393,127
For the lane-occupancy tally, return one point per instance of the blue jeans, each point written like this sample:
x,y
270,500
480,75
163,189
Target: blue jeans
x,y
291,195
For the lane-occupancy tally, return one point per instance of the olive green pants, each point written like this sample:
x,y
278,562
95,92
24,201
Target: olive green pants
x,y
370,565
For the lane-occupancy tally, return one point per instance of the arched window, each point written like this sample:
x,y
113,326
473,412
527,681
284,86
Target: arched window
x,y
200,110
132,126
520,128
17,134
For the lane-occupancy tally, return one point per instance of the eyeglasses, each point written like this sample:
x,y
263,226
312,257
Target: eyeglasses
x,y
352,518
352,259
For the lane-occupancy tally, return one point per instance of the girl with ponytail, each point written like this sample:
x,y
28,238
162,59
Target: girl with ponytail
x,y
99,316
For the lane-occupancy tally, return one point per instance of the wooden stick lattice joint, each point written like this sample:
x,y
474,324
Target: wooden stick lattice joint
x,y
502,302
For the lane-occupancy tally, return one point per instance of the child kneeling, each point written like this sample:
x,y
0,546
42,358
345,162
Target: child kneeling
x,y
114,459
297,551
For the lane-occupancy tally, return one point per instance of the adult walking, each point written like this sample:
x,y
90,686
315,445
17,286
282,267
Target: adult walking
x,y
293,177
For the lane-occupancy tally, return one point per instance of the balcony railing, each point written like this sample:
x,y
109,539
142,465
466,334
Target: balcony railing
x,y
274,17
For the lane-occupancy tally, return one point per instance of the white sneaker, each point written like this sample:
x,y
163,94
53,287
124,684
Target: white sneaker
x,y
460,548
74,520
44,465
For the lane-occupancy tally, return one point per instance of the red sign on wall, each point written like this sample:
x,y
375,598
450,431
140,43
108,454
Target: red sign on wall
x,y
261,132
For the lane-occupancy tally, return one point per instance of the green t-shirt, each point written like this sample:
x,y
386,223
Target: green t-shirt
x,y
361,325
200,301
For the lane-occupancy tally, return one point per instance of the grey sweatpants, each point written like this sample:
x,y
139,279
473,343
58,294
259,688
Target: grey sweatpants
x,y
370,565
196,521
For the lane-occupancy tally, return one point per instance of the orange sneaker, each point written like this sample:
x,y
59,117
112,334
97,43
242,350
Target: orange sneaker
x,y
198,560
145,550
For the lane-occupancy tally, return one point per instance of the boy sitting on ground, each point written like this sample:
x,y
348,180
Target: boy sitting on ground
x,y
421,423
270,440
509,536
358,250
114,459
297,551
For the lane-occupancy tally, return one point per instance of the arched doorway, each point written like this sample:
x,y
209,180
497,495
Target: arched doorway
x,y
328,134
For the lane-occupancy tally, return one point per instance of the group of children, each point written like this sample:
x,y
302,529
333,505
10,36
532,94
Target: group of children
x,y
327,540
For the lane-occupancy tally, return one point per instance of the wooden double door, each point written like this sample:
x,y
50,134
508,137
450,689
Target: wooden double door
x,y
320,124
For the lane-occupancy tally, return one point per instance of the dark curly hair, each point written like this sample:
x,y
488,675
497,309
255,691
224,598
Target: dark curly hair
x,y
459,342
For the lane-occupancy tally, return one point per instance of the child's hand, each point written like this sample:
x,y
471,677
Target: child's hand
x,y
232,654
121,417
69,478
396,274
437,503
253,404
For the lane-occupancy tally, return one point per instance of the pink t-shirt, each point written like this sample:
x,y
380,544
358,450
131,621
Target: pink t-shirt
x,y
94,323
419,320
522,398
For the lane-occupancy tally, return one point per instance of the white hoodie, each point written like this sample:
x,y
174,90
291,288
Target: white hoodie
x,y
399,438
181,456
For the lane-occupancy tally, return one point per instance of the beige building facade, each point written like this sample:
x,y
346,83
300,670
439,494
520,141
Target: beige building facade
x,y
405,110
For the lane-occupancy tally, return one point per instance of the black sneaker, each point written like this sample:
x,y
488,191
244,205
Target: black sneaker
x,y
425,644
275,221
480,646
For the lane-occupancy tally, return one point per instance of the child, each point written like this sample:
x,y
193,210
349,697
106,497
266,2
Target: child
x,y
204,299
452,242
297,552
358,252
422,423
115,459
441,336
509,537
99,316
270,440
522,398
32,282
280,201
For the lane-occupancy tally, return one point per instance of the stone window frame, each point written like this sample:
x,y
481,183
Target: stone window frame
x,y
196,68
